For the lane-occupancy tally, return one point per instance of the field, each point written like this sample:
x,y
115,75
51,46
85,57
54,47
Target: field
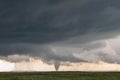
x,y
60,76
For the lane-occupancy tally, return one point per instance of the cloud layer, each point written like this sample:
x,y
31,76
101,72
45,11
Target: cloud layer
x,y
50,21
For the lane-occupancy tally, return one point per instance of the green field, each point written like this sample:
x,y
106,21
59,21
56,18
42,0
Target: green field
x,y
60,76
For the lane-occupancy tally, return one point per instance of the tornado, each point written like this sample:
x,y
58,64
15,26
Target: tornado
x,y
56,65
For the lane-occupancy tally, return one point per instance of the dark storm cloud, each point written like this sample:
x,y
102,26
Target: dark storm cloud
x,y
51,23
47,21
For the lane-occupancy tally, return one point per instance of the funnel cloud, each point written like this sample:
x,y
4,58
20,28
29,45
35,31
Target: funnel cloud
x,y
57,65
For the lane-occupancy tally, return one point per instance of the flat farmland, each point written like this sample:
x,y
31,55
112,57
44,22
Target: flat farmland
x,y
60,75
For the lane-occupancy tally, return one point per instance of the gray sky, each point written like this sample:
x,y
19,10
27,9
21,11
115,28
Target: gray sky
x,y
59,30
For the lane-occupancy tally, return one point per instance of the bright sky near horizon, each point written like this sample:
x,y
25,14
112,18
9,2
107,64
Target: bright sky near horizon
x,y
38,65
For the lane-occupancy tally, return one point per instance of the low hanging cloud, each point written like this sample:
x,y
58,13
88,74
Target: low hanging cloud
x,y
100,51
58,31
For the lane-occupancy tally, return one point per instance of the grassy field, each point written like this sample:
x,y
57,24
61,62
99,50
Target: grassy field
x,y
60,76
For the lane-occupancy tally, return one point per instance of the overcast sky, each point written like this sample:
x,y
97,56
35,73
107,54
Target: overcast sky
x,y
57,31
